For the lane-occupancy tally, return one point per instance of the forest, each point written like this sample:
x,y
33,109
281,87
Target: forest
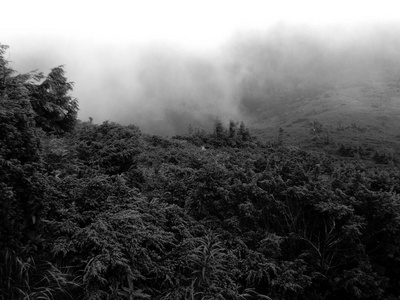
x,y
105,211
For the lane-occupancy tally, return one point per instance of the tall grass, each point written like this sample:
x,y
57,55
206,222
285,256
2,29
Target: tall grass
x,y
23,278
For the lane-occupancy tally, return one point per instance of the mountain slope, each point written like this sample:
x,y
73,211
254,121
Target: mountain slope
x,y
365,114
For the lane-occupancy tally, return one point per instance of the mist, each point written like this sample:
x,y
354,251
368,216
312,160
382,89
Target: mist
x,y
163,88
288,63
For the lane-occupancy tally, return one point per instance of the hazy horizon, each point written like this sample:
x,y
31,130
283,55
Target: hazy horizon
x,y
187,63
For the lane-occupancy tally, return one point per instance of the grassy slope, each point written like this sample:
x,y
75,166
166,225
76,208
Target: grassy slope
x,y
365,114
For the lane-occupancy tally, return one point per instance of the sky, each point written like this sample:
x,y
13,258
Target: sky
x,y
163,64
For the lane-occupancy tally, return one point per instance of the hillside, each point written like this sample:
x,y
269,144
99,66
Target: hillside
x,y
106,211
366,115
317,86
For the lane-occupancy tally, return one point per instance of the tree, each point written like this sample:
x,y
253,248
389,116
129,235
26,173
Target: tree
x,y
56,110
232,129
244,132
21,184
219,130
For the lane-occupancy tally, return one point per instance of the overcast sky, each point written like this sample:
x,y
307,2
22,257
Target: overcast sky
x,y
124,55
196,24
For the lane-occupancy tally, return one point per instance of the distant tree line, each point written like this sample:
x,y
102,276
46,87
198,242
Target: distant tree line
x,y
235,135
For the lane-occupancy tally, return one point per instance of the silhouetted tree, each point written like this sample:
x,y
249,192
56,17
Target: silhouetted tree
x,y
56,110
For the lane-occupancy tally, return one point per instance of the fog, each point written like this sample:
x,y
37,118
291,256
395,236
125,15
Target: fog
x,y
163,86
286,63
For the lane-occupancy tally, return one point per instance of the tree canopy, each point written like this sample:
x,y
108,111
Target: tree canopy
x,y
104,211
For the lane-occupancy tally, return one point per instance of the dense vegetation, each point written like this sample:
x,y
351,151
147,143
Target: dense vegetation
x,y
104,211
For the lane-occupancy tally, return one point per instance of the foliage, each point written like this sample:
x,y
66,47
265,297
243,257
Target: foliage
x,y
103,211
25,278
22,185
56,111
109,147
236,136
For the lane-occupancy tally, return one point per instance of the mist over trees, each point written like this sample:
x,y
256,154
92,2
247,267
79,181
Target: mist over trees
x,y
288,64
255,71
163,87
106,211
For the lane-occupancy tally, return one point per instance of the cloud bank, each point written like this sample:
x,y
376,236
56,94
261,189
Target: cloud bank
x,y
163,87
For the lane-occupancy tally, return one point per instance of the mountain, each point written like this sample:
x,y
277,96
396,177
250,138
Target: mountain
x,y
321,90
365,114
